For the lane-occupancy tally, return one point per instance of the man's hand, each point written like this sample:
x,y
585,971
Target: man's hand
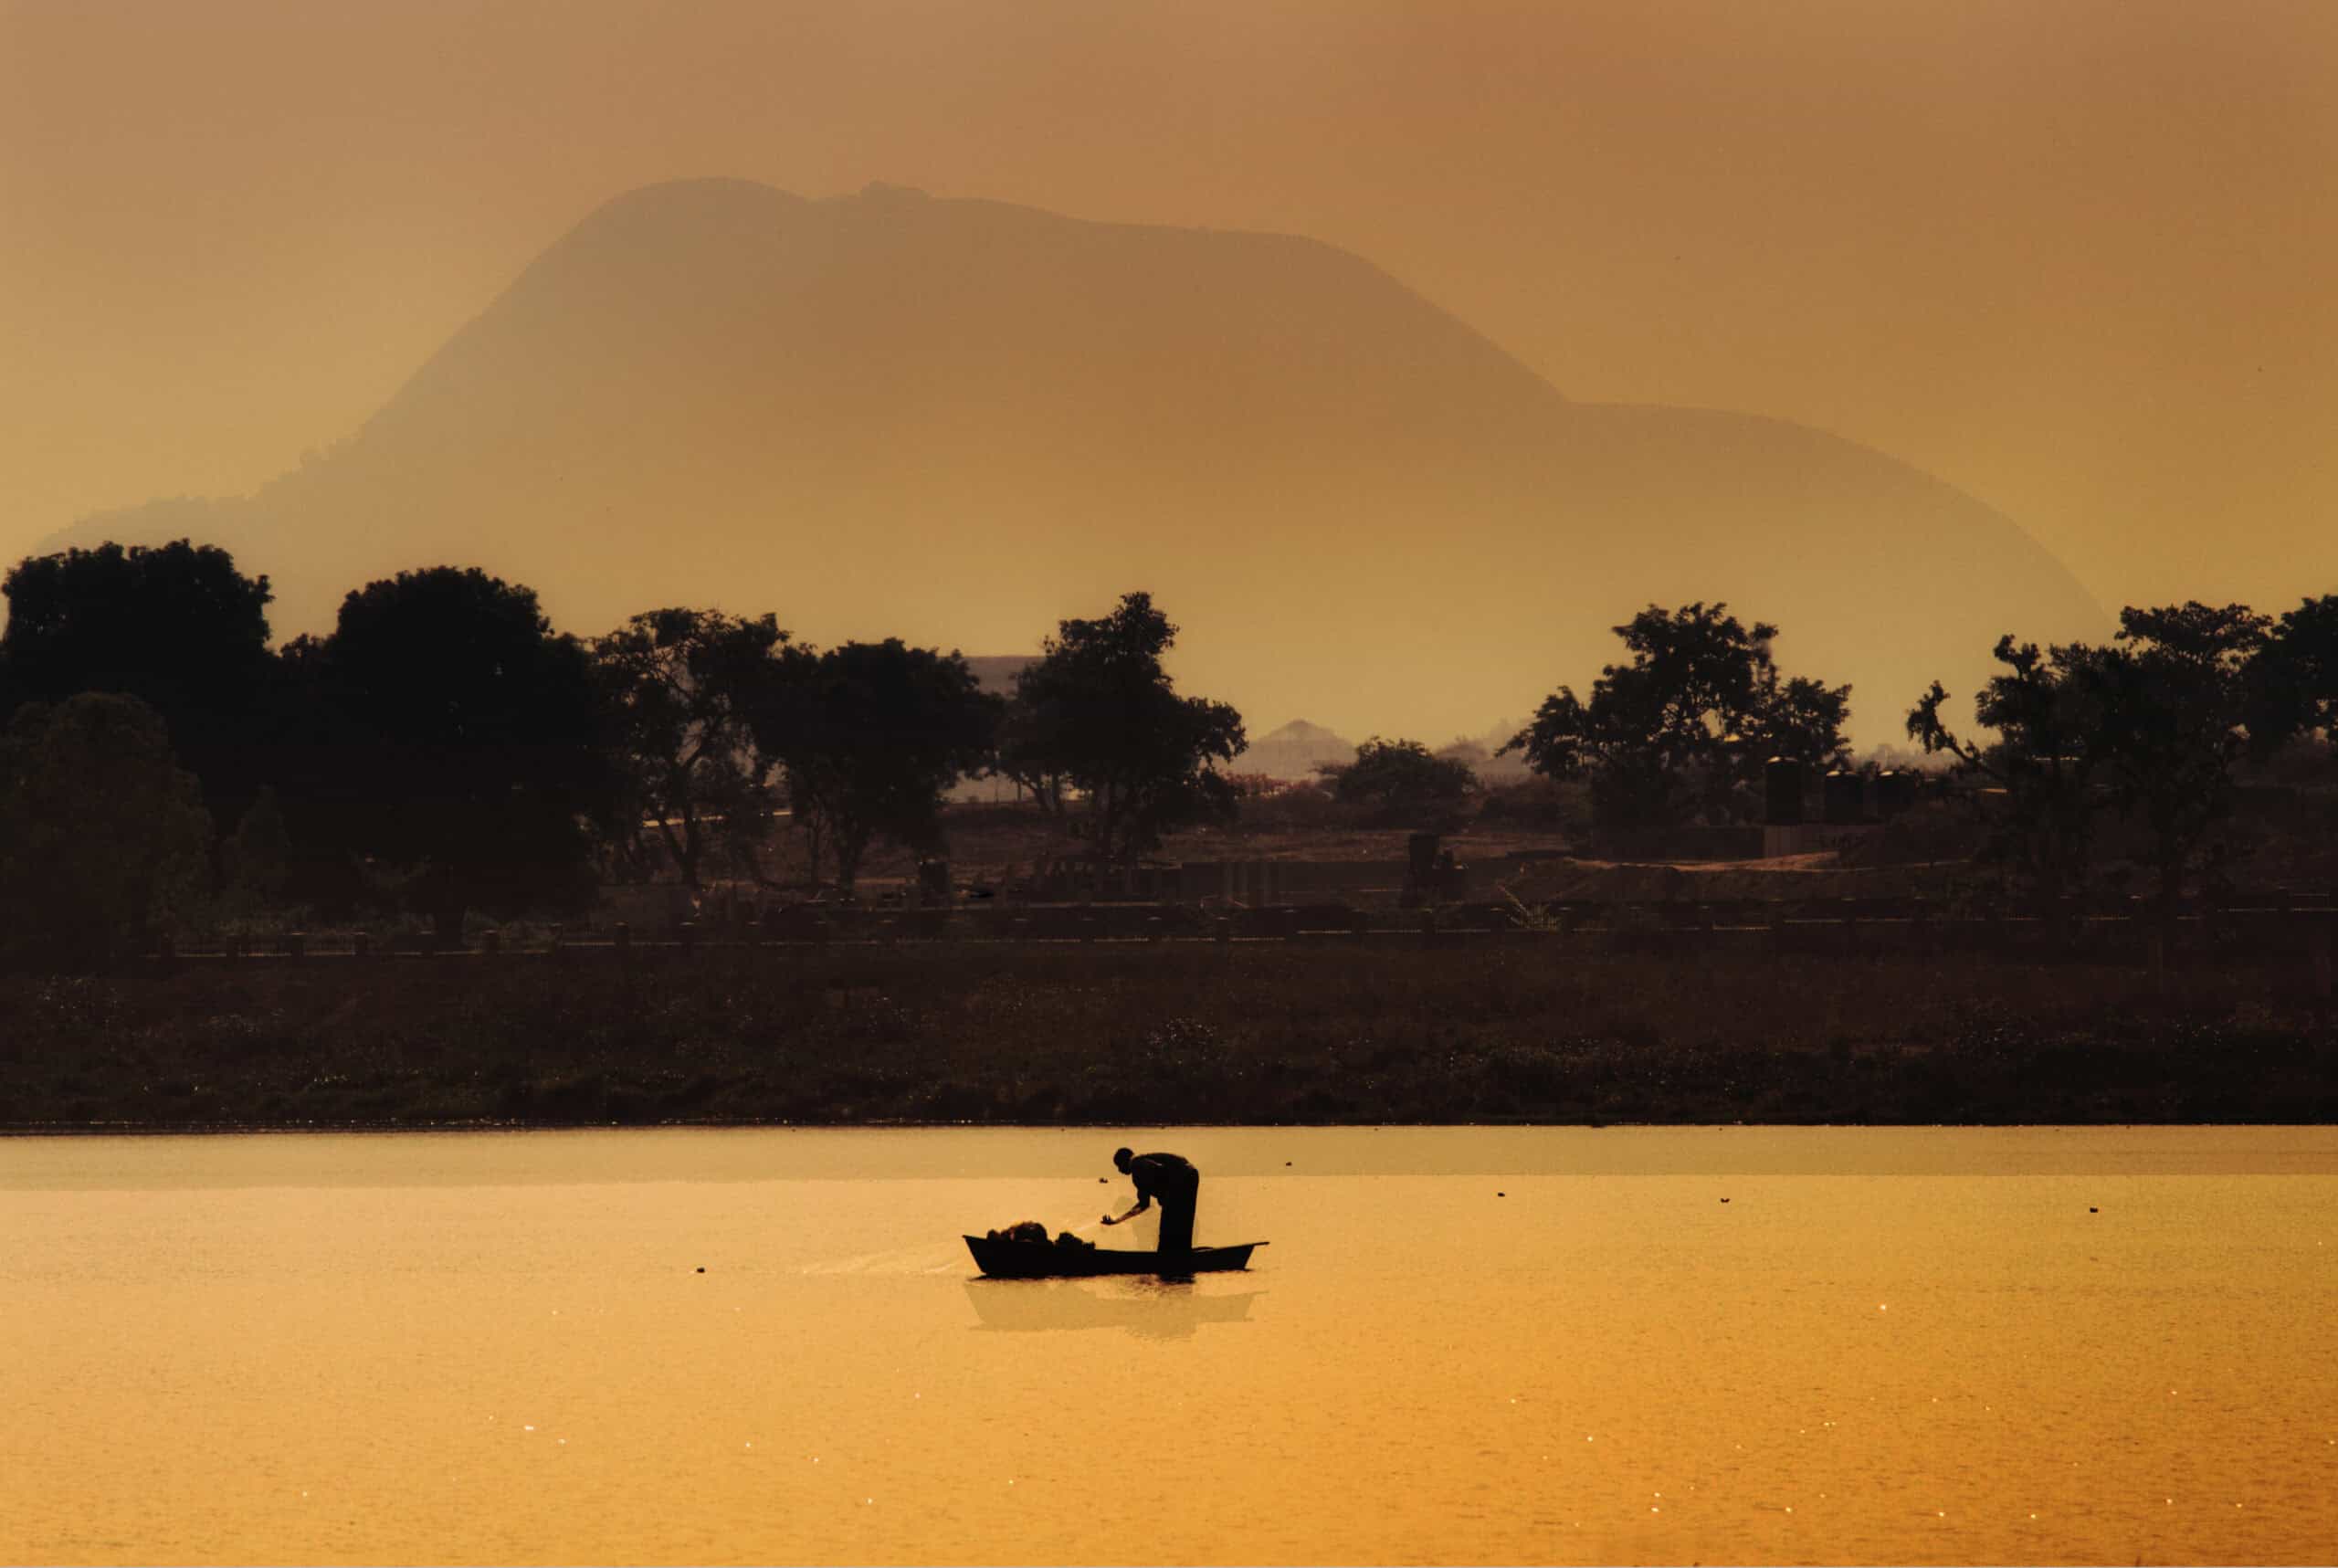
x,y
1109,1220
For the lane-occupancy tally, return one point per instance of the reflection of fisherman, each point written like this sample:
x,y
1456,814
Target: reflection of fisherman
x,y
1170,1181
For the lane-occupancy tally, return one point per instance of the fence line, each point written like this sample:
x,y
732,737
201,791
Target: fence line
x,y
2287,928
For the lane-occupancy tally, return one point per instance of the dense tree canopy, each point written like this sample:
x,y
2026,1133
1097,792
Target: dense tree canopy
x,y
256,861
2046,707
100,831
2174,699
1098,713
2294,677
473,762
872,735
1677,732
2150,728
1400,776
445,744
680,690
175,626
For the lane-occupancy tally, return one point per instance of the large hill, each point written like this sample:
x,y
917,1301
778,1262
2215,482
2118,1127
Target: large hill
x,y
959,422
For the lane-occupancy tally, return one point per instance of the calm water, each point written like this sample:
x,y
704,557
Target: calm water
x,y
1506,1345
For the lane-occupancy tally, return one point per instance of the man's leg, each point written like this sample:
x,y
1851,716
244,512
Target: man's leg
x,y
1177,1219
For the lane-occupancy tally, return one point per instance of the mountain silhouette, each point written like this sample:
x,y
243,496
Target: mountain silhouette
x,y
960,421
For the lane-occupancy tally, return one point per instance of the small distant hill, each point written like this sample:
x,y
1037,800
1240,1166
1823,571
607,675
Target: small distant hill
x,y
1293,751
959,422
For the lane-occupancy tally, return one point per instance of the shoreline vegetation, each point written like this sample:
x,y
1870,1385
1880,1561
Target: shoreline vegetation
x,y
1040,1034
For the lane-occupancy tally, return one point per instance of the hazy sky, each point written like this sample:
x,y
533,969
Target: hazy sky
x,y
2074,255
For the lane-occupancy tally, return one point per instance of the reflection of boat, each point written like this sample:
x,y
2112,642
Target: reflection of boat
x,y
1148,1311
1045,1260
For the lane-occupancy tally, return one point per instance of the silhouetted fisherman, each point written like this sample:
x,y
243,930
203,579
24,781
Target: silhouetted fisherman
x,y
1170,1181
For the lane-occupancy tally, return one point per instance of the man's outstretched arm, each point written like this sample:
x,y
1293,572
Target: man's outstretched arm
x,y
1144,1202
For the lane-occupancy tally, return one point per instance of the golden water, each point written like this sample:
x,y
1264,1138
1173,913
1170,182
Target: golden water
x,y
1511,1345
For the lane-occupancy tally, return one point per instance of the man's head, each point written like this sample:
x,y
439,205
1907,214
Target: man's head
x,y
1120,1158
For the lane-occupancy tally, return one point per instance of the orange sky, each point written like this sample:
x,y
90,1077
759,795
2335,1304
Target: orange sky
x,y
2074,256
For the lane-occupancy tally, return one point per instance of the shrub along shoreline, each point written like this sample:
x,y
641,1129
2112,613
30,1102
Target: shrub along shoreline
x,y
1073,1035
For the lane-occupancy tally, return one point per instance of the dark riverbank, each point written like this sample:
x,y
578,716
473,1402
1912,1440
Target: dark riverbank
x,y
1188,1035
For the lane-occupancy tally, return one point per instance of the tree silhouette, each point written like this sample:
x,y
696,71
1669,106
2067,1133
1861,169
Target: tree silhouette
x,y
175,626
1098,713
2047,708
1400,777
871,735
100,831
1675,734
680,689
2293,680
256,860
473,762
2174,699
2151,726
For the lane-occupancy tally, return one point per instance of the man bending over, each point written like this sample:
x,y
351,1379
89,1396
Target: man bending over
x,y
1170,1181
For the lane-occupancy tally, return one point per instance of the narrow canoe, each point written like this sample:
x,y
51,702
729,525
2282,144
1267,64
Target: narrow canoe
x,y
1045,1260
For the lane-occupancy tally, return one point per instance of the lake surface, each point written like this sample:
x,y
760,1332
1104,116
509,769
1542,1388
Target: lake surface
x,y
1463,1344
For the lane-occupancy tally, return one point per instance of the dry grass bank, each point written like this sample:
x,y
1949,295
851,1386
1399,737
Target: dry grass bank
x,y
1195,1034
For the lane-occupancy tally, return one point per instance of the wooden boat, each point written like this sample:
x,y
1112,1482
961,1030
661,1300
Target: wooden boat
x,y
1045,1260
